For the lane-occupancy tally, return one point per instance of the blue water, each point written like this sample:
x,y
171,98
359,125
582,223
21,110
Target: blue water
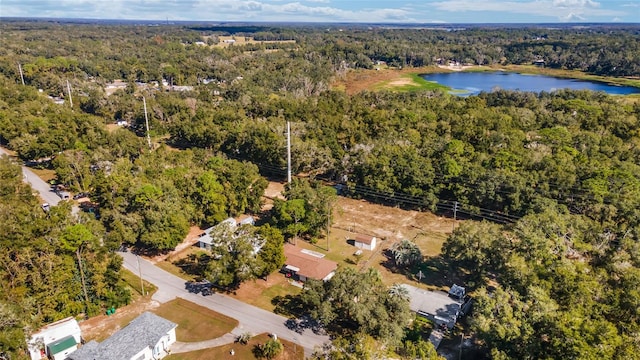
x,y
473,83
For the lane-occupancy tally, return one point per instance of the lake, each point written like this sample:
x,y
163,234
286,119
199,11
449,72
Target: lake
x,y
472,83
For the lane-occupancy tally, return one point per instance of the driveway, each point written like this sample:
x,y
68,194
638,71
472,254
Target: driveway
x,y
39,185
251,318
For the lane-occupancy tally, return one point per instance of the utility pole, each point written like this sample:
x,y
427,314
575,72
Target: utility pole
x,y
21,75
288,152
328,222
146,121
69,92
455,212
140,272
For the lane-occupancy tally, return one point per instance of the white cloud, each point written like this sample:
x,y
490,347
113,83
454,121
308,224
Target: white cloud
x,y
575,3
573,17
560,9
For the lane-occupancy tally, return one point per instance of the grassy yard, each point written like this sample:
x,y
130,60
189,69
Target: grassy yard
x,y
195,323
133,281
170,265
260,292
243,352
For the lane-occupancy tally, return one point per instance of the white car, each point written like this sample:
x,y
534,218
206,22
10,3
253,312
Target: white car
x,y
46,207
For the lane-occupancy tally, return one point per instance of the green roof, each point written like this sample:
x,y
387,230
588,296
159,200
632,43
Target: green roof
x,y
62,345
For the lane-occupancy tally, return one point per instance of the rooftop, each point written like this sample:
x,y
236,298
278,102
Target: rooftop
x,y
365,239
310,266
145,331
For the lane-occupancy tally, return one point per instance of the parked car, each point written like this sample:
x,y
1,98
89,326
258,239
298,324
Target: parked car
x,y
46,207
80,195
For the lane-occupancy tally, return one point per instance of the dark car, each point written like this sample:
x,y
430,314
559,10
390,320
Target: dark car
x,y
80,195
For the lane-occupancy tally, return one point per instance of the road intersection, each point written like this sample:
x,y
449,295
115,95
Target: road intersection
x,y
252,319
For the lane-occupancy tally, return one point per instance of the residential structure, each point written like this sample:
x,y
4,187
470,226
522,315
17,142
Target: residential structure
x,y
365,242
56,340
206,239
147,337
302,264
437,306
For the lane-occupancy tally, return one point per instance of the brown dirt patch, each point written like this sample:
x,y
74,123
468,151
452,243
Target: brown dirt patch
x,y
360,80
102,326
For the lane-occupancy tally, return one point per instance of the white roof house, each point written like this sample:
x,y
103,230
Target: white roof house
x,y
56,340
206,240
147,337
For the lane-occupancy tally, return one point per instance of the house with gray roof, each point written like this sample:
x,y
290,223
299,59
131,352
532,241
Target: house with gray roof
x,y
147,337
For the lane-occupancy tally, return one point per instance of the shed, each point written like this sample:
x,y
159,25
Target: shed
x,y
60,349
457,292
365,242
58,338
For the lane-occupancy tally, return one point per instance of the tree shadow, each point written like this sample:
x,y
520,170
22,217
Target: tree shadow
x,y
288,305
193,264
434,270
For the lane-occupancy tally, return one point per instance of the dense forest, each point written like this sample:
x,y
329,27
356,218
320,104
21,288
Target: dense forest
x,y
555,268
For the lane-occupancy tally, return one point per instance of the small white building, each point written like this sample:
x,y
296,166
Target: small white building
x,y
365,242
56,340
147,337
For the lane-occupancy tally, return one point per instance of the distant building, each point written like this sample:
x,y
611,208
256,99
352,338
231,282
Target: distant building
x,y
539,63
56,340
365,242
302,264
147,337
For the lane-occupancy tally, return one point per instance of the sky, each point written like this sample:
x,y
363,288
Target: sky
x,y
361,11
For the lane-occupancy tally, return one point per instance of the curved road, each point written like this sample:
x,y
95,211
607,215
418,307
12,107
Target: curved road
x,y
251,318
44,189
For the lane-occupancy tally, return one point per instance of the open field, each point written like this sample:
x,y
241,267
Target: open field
x,y
243,352
195,323
229,40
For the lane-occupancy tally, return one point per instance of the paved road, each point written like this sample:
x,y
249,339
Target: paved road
x,y
38,184
251,318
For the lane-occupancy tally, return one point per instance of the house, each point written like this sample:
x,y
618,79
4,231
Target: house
x,y
434,305
365,242
206,240
302,264
56,340
539,63
147,337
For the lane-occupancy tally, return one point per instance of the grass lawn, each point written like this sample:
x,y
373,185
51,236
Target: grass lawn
x,y
133,281
195,323
243,352
260,292
44,174
169,265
